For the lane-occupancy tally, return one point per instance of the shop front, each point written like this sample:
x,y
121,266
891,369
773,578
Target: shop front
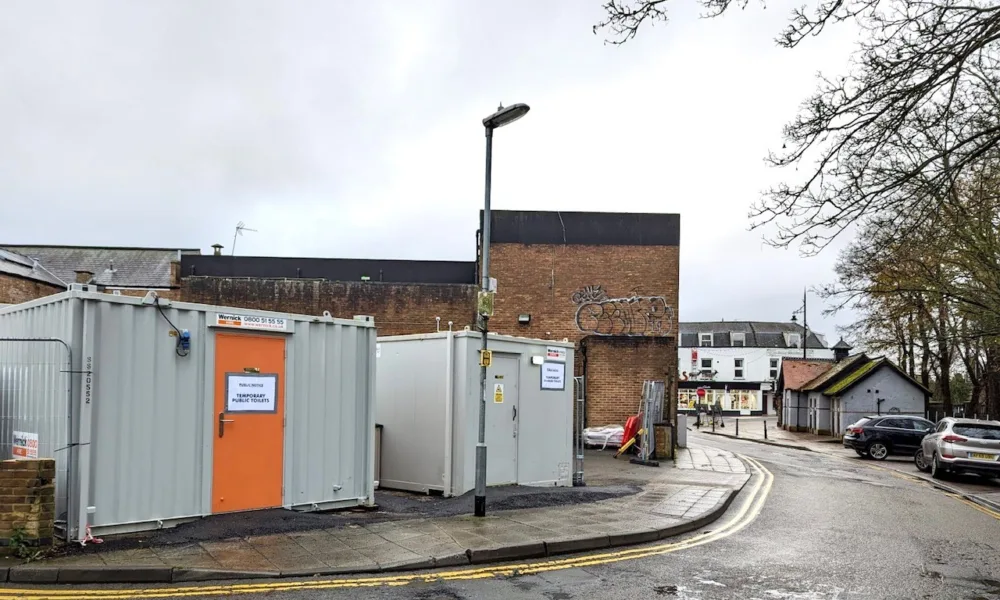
x,y
735,398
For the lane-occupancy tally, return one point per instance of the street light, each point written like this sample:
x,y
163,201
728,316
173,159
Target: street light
x,y
503,116
805,331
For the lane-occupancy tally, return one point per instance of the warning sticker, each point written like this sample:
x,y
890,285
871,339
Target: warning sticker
x,y
498,393
251,393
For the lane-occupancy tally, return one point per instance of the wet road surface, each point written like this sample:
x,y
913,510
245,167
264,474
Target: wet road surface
x,y
827,528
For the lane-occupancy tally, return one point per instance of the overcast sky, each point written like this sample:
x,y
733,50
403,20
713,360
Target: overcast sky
x,y
353,129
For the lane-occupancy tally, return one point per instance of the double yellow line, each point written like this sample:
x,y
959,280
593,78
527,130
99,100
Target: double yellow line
x,y
746,514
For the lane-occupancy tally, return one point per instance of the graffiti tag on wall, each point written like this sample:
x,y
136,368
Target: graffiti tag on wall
x,y
636,315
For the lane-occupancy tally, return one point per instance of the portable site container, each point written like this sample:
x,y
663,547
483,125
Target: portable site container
x,y
428,394
158,412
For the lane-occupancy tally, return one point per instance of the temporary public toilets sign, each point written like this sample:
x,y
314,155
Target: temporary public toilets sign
x,y
254,322
553,376
25,445
251,392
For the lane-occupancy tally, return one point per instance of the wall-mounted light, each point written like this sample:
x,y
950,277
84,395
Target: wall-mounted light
x,y
523,319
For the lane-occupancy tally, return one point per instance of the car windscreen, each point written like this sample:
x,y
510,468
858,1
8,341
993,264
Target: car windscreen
x,y
983,432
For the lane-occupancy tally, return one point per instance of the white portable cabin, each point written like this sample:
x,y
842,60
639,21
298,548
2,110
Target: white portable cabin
x,y
159,412
427,402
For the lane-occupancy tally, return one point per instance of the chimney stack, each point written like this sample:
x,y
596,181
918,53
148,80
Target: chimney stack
x,y
218,249
84,276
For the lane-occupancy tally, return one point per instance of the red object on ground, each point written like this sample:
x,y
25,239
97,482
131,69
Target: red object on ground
x,y
631,428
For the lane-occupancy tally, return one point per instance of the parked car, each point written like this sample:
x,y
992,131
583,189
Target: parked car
x,y
878,436
961,446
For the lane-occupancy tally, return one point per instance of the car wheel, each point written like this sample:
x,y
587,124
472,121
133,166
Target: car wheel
x,y
937,471
877,450
921,461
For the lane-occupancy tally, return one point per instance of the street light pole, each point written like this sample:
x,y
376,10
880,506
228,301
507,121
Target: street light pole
x,y
503,116
805,327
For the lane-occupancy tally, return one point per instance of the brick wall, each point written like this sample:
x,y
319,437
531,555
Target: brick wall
x,y
616,368
398,308
581,291
14,290
27,500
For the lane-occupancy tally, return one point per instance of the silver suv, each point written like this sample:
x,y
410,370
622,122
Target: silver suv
x,y
961,446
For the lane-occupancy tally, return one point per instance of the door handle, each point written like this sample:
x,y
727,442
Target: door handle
x,y
222,423
514,418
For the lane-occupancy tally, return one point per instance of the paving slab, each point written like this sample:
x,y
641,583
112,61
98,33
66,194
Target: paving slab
x,y
676,497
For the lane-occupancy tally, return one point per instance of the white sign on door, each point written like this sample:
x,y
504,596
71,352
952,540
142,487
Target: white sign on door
x,y
553,376
555,353
251,393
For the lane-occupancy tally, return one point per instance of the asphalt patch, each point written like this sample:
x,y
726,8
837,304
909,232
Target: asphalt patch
x,y
391,506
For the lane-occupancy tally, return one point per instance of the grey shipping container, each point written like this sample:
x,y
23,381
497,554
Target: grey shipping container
x,y
158,412
428,405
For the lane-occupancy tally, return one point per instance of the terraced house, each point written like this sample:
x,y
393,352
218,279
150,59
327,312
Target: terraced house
x,y
735,363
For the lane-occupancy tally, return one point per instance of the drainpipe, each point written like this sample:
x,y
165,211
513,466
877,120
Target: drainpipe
x,y
449,385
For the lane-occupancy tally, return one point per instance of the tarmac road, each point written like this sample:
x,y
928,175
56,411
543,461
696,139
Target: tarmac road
x,y
807,526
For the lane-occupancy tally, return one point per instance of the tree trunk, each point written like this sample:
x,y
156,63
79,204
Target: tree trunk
x,y
912,353
944,357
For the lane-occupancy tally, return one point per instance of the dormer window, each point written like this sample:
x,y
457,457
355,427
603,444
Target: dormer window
x,y
739,339
705,339
793,340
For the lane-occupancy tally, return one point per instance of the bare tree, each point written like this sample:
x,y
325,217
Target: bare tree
x,y
921,103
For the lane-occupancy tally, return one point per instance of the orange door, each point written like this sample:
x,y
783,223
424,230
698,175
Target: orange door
x,y
248,422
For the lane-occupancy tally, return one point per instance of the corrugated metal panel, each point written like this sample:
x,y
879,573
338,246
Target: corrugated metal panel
x,y
149,408
35,381
329,435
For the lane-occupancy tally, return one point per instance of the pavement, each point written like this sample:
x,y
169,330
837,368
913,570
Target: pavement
x,y
973,488
668,500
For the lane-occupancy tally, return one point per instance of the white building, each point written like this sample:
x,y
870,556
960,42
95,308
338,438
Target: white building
x,y
736,363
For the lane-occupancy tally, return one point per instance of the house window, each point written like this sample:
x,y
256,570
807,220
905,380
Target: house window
x,y
706,363
794,340
705,339
739,339
738,368
774,368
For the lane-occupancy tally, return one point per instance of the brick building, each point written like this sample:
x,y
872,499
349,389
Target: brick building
x,y
23,279
606,281
125,270
404,296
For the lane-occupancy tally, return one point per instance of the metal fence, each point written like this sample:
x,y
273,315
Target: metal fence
x,y
579,422
35,392
959,411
